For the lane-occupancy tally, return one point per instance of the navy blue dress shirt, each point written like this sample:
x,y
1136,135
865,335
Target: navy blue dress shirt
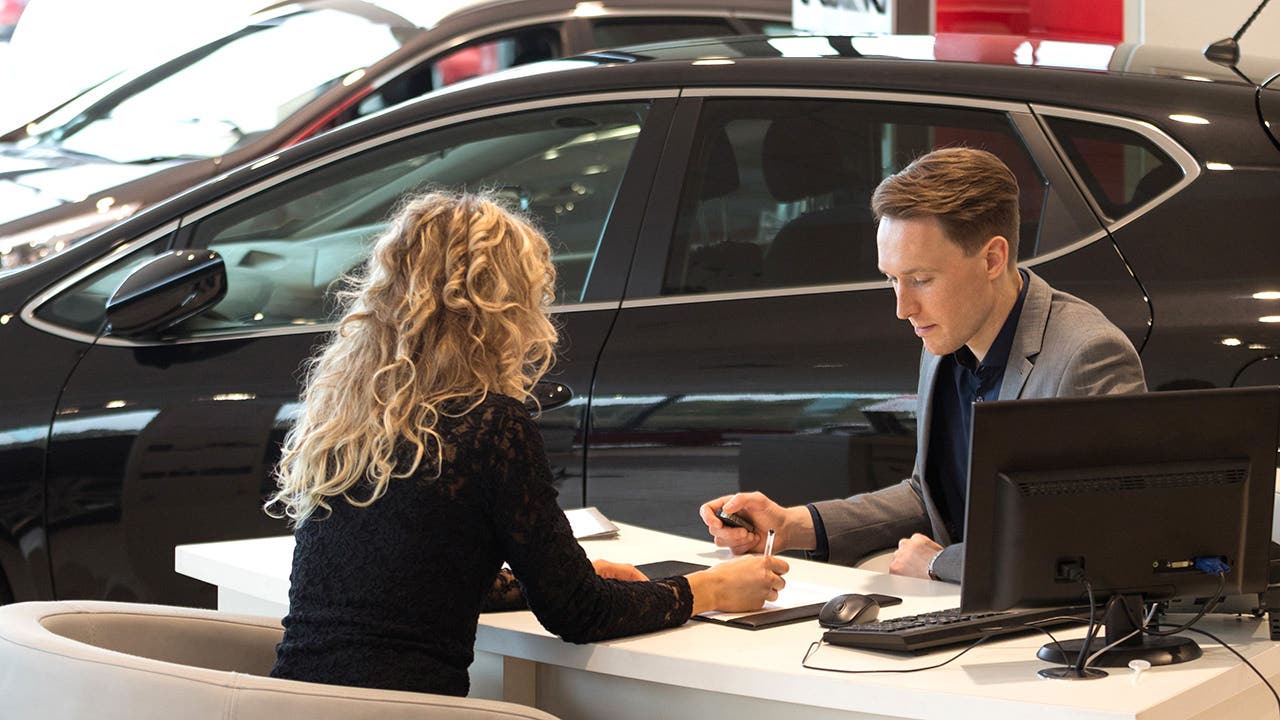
x,y
962,381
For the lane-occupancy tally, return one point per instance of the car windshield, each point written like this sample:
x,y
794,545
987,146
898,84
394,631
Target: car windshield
x,y
231,90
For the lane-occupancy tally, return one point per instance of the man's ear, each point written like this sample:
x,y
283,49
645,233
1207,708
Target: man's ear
x,y
996,255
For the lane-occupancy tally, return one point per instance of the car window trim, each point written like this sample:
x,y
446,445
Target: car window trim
x,y
1191,168
1064,189
623,234
1007,106
438,48
657,227
414,129
318,328
1180,155
190,218
569,27
119,252
647,287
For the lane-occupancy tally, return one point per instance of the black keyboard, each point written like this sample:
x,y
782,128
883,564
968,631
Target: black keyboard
x,y
947,627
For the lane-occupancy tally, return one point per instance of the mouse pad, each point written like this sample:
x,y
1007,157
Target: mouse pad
x,y
786,616
664,569
770,618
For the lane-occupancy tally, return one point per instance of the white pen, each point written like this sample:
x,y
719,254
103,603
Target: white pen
x,y
768,544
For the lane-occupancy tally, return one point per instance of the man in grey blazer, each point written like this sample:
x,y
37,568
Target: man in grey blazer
x,y
948,243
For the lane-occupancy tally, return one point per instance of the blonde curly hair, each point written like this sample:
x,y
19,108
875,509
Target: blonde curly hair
x,y
452,305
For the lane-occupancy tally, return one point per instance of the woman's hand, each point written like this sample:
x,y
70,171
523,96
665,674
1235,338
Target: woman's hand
x,y
617,571
738,585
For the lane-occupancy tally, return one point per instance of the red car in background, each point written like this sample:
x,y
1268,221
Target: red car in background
x,y
10,11
145,135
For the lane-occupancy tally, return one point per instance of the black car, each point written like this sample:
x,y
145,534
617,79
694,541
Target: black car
x,y
724,323
293,71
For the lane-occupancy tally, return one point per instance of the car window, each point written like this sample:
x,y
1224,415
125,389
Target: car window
x,y
472,60
216,99
778,191
82,307
1121,169
615,32
288,248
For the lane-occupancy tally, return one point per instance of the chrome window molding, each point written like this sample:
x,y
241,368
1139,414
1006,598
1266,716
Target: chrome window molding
x,y
28,313
613,13
1089,239
1185,160
801,290
230,334
1190,166
416,129
255,334
457,41
753,294
1009,108
454,42
872,95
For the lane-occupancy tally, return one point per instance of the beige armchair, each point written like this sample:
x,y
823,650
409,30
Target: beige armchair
x,y
75,660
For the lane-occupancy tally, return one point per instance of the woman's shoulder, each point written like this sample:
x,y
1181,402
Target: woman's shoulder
x,y
497,404
495,413
499,426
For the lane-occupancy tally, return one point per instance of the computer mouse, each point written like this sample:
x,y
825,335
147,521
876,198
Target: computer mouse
x,y
848,609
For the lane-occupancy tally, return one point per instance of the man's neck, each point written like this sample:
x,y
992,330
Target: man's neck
x,y
1007,289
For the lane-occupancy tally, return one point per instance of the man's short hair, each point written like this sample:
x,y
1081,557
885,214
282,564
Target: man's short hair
x,y
972,193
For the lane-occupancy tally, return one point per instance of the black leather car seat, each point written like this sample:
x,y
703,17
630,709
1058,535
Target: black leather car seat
x,y
717,261
828,245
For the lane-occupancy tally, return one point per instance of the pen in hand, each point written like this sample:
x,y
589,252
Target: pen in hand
x,y
768,544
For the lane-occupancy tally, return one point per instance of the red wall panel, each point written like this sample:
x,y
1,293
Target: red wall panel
x,y
1096,21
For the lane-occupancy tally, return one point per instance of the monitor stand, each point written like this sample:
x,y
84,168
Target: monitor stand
x,y
1118,621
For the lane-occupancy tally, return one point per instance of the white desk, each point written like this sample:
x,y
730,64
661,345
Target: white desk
x,y
711,671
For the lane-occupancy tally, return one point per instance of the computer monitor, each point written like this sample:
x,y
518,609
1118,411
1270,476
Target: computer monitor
x,y
1126,491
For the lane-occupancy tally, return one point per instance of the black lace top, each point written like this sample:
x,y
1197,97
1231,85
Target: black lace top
x,y
388,596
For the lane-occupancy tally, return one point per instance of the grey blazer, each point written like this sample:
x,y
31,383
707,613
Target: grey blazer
x,y
1063,347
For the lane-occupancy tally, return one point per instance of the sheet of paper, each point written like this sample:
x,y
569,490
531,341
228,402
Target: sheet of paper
x,y
589,522
794,594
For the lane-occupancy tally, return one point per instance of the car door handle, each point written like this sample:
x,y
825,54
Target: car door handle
x,y
549,395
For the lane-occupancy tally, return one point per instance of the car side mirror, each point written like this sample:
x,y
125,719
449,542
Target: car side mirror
x,y
168,289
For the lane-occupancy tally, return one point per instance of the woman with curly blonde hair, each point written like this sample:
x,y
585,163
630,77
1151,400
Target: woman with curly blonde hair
x,y
414,470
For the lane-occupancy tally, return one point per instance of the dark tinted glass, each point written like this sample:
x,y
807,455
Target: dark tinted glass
x,y
224,95
778,191
471,60
1121,169
83,306
613,33
289,247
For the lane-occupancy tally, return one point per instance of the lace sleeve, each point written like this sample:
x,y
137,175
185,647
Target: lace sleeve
x,y
561,586
504,595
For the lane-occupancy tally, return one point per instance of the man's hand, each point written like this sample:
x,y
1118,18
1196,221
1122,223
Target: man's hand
x,y
617,571
793,526
913,556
